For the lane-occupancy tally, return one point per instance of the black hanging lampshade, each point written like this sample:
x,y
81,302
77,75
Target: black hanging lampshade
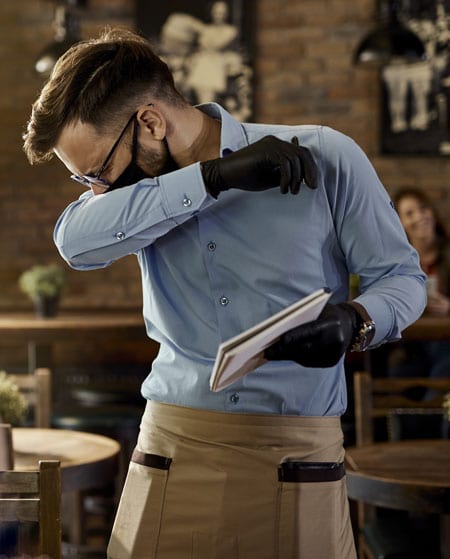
x,y
390,41
67,33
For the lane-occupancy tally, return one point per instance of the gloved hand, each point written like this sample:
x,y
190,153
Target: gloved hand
x,y
322,342
267,163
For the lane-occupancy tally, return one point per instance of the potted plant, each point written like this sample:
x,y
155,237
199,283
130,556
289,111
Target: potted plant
x,y
13,404
44,285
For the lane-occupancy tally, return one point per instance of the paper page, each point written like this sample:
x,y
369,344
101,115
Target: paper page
x,y
243,353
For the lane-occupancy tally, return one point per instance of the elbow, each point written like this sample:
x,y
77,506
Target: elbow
x,y
71,260
70,252
80,261
58,239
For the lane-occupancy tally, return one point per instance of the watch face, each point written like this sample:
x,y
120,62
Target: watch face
x,y
364,336
367,335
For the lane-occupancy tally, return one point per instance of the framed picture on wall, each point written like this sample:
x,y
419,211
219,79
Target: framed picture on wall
x,y
208,47
416,97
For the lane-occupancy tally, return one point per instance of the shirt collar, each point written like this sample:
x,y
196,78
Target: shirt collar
x,y
232,135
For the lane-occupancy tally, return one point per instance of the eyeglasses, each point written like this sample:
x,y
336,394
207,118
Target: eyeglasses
x,y
96,180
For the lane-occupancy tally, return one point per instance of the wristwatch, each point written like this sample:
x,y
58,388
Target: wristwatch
x,y
365,329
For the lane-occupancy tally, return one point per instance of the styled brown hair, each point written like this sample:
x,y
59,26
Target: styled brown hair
x,y
423,198
97,81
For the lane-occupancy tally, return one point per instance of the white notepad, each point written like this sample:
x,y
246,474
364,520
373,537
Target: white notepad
x,y
244,353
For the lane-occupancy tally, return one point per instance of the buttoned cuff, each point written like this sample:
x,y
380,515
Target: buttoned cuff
x,y
183,192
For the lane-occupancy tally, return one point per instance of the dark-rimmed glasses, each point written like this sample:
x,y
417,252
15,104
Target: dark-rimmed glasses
x,y
96,180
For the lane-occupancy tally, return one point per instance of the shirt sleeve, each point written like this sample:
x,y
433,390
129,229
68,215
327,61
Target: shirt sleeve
x,y
94,231
372,239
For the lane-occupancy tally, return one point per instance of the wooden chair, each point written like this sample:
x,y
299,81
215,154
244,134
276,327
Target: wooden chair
x,y
37,389
391,400
6,447
34,496
386,397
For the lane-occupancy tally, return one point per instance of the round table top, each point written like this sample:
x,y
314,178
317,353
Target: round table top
x,y
408,475
87,460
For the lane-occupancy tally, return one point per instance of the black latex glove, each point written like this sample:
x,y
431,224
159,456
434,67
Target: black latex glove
x,y
320,343
267,163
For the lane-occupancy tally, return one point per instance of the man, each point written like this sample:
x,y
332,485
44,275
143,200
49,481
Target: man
x,y
255,470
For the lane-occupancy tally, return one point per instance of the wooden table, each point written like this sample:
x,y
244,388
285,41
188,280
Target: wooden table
x,y
411,475
39,334
87,461
429,328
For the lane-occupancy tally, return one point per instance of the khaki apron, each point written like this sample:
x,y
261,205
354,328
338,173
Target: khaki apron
x,y
214,485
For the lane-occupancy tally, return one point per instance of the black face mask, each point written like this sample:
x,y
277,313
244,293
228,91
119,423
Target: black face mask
x,y
133,173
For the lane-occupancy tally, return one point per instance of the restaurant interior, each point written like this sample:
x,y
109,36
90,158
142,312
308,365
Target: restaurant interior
x,y
336,63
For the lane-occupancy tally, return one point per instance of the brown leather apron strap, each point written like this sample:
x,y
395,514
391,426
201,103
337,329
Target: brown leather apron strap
x,y
292,471
151,460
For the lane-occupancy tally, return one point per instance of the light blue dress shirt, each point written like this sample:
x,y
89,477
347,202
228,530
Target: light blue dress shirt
x,y
212,268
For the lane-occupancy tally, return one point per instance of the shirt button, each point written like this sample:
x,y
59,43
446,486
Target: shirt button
x,y
234,398
224,301
120,235
211,246
187,202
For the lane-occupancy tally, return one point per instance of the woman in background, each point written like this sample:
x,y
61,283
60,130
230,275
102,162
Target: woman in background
x,y
427,234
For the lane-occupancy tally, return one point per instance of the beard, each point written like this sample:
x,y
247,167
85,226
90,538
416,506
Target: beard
x,y
154,163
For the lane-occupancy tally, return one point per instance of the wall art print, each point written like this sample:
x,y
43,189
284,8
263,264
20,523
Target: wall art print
x,y
416,97
208,47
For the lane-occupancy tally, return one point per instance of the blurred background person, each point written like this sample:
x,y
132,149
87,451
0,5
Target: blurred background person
x,y
427,234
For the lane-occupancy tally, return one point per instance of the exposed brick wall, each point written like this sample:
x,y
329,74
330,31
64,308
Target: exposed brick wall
x,y
303,74
31,198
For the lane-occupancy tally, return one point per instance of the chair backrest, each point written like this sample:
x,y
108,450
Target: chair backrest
x,y
35,496
37,389
6,447
389,397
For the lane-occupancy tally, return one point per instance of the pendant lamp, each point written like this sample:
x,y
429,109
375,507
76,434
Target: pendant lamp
x,y
67,33
390,40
